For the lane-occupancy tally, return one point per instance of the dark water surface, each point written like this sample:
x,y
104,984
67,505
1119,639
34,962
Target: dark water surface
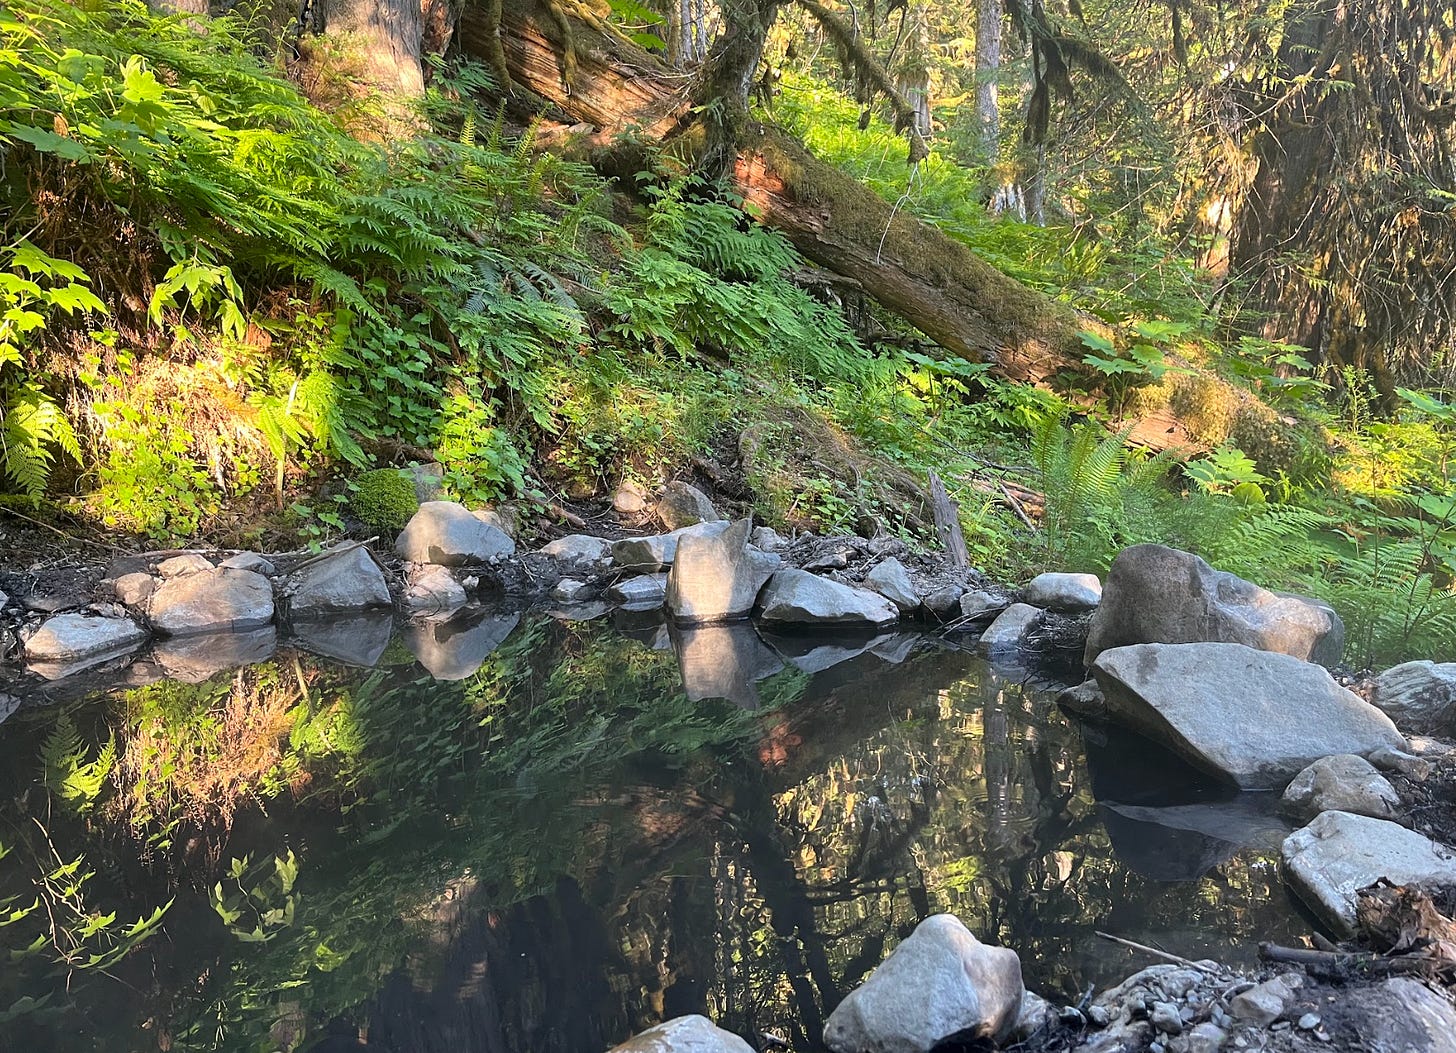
x,y
521,833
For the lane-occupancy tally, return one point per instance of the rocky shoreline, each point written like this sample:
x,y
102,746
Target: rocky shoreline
x,y
1215,670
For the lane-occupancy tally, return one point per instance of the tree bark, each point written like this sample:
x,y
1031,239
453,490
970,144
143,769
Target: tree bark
x,y
386,37
935,283
988,71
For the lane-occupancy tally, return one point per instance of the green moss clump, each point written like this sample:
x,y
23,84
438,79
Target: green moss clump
x,y
384,499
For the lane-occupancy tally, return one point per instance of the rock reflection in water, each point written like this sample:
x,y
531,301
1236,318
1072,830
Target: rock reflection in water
x,y
584,838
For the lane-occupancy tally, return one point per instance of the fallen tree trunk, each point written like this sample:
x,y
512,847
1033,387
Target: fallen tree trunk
x,y
911,268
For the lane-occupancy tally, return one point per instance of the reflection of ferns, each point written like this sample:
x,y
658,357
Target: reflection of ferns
x,y
70,771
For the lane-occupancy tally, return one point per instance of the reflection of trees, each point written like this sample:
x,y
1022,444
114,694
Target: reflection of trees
x,y
562,849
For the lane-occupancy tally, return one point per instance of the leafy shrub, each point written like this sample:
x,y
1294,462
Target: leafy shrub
x,y
384,499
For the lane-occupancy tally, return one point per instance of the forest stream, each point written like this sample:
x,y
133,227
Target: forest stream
x,y
525,832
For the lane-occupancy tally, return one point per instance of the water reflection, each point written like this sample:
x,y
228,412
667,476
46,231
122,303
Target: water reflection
x,y
572,830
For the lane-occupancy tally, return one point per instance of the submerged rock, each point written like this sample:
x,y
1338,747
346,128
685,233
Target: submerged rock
x,y
798,597
1419,696
345,579
1342,783
1255,718
1161,595
717,576
1339,853
451,535
938,983
684,1034
209,601
1068,593
683,505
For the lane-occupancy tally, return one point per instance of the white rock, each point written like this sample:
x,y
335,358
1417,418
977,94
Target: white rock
x,y
210,601
940,981
68,637
570,590
1339,853
1342,783
630,499
685,1034
451,535
1263,1003
1063,592
800,598
891,580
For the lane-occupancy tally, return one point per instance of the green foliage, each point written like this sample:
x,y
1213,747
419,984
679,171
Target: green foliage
x,y
384,499
71,772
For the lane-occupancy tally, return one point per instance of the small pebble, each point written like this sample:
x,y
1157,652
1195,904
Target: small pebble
x,y
1098,1016
1165,1017
1280,1025
1157,1047
1309,1022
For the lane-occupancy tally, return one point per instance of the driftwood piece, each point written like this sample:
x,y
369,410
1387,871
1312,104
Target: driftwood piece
x,y
948,524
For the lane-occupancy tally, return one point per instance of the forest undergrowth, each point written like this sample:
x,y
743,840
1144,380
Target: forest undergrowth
x,y
225,306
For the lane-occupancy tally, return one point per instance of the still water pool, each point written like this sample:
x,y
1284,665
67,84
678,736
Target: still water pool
x,y
528,833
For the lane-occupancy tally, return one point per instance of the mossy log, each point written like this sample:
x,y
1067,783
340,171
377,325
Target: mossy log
x,y
911,268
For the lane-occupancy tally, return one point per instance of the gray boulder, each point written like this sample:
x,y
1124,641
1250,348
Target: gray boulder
x,y
1161,595
938,983
451,535
1419,696
643,592
798,597
769,539
454,650
1011,627
944,602
1342,783
1256,718
682,505
1068,593
581,552
684,1034
209,601
891,580
433,590
657,551
982,605
1339,853
717,577
71,637
345,579
1400,1016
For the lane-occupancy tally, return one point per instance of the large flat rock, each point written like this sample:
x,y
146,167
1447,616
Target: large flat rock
x,y
451,535
1254,718
70,637
796,597
1156,594
214,600
346,579
1339,853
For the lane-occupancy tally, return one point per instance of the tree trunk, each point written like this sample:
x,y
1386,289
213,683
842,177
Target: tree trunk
x,y
935,283
988,72
385,37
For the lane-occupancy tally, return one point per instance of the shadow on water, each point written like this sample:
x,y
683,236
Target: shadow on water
x,y
506,832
